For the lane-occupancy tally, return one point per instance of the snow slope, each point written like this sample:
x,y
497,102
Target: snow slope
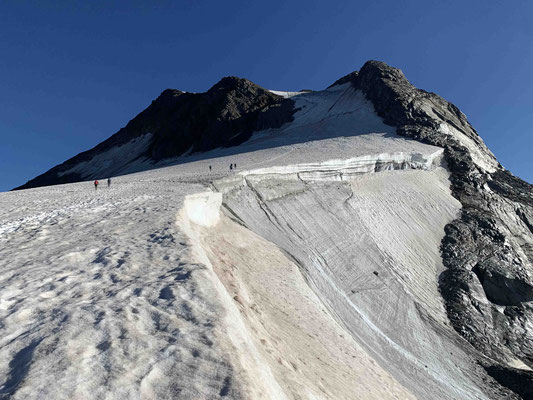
x,y
100,300
309,273
109,161
370,248
290,332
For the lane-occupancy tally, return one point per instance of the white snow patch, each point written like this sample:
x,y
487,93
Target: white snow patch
x,y
482,157
110,162
285,94
203,208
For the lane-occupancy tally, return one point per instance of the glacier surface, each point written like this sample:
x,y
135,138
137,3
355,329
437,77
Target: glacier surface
x,y
309,272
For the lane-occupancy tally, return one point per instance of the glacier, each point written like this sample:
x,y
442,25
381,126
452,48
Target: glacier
x,y
311,271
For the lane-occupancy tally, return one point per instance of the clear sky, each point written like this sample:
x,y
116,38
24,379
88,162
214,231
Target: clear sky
x,y
73,72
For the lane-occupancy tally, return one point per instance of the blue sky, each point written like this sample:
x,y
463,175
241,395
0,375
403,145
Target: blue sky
x,y
73,73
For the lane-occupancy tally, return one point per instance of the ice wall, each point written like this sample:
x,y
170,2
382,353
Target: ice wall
x,y
368,245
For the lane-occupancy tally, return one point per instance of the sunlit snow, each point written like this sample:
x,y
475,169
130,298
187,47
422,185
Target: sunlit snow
x,y
299,274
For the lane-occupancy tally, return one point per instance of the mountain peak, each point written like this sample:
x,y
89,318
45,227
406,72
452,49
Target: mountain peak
x,y
231,82
239,88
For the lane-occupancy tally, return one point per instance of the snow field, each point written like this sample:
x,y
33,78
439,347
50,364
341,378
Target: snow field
x,y
147,290
100,298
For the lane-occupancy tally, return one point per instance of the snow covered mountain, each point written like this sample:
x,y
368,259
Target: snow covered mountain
x,y
177,123
367,245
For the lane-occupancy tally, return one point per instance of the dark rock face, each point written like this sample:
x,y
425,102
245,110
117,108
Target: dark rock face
x,y
519,381
225,115
488,250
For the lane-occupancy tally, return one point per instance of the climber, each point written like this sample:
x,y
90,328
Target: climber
x,y
96,185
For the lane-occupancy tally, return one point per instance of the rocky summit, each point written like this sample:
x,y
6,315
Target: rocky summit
x,y
359,241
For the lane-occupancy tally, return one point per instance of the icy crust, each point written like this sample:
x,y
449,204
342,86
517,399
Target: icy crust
x,y
285,94
345,169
